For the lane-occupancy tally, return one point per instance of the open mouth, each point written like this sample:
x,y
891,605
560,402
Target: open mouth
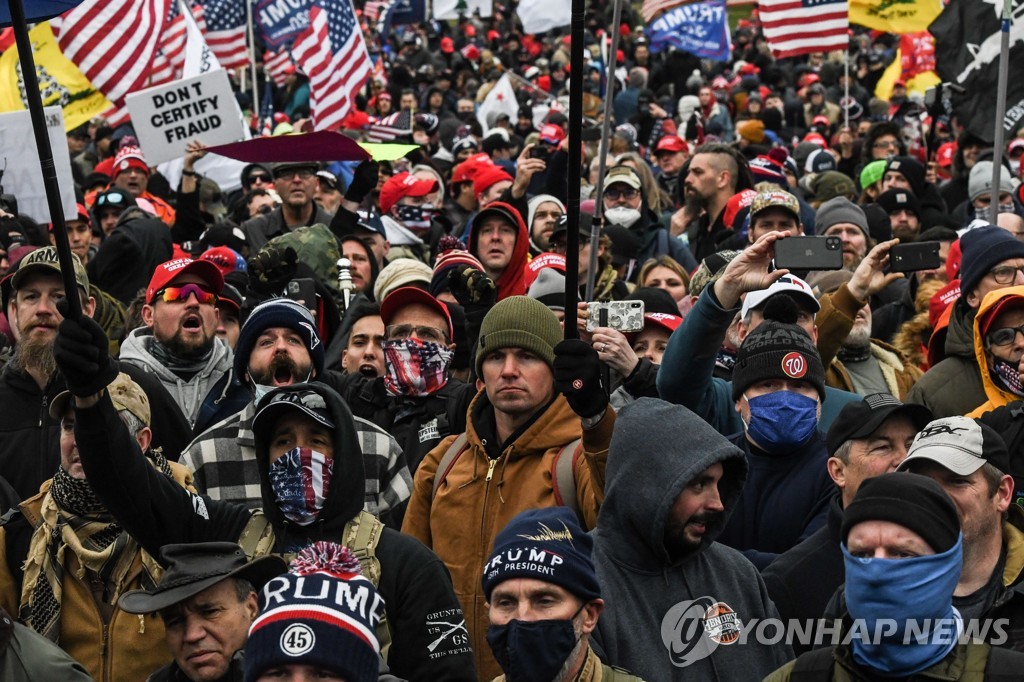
x,y
283,376
192,323
368,370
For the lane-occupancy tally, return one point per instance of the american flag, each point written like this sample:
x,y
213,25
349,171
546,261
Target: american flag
x,y
226,24
390,127
113,42
169,60
332,52
652,8
795,27
275,64
375,9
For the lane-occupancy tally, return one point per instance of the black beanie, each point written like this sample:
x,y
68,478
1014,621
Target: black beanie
x,y
278,312
776,350
913,501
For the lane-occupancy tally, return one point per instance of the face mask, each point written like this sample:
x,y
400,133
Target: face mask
x,y
415,368
530,651
911,593
782,420
620,215
416,218
300,479
1007,375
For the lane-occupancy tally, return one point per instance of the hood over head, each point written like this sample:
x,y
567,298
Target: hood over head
x,y
643,482
983,322
512,281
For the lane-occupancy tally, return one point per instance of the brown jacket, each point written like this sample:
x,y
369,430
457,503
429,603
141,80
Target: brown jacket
x,y
479,496
899,374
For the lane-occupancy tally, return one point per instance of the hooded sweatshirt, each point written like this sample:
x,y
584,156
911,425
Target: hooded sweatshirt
x,y
188,394
512,281
649,592
997,394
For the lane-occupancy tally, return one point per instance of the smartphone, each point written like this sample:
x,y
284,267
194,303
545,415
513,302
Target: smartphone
x,y
541,151
302,290
809,253
914,256
624,316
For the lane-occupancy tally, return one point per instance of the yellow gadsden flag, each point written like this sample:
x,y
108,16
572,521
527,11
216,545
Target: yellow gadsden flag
x,y
60,82
895,16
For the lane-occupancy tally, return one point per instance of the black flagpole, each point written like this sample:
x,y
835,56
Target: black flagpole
x,y
572,237
35,109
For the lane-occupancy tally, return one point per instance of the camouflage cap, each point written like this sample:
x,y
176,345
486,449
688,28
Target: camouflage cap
x,y
316,247
775,198
124,393
46,258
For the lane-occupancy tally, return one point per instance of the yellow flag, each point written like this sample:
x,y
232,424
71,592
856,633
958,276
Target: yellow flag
x,y
895,16
60,82
918,83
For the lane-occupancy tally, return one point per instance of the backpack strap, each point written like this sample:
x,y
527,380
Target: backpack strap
x,y
257,538
448,460
814,666
1003,664
563,476
361,537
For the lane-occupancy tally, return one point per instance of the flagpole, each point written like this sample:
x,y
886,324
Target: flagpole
x,y
572,237
998,142
846,89
595,233
252,58
50,186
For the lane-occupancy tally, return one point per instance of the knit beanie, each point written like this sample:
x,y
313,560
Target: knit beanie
x,y
832,184
913,501
840,210
321,613
547,545
751,130
872,173
983,248
278,312
980,180
450,260
519,322
777,350
911,169
533,204
127,157
549,289
766,169
895,199
401,272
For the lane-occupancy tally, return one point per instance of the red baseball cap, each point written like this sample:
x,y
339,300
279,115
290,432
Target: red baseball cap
x,y
672,143
1005,303
552,133
944,156
817,139
83,213
403,296
225,258
467,170
447,45
166,272
542,261
404,185
663,320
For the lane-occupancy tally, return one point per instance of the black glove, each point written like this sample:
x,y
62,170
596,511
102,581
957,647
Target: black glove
x,y
82,352
578,377
470,287
364,180
271,269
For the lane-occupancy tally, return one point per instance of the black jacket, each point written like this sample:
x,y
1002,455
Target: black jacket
x,y
128,256
262,228
414,583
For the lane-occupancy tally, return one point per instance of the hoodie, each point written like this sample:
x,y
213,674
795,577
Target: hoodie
x,y
512,281
997,394
188,394
649,594
128,256
156,511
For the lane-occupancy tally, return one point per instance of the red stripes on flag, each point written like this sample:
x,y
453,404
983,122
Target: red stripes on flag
x,y
229,47
275,64
652,8
792,27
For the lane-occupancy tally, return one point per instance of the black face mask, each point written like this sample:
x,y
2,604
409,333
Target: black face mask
x,y
531,651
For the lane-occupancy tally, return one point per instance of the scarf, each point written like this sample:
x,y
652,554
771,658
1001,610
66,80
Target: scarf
x,y
1007,375
74,519
176,363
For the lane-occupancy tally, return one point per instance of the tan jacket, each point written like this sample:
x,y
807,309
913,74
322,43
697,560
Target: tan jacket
x,y
479,496
899,375
595,671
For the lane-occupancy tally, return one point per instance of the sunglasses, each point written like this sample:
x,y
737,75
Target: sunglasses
x,y
1004,336
422,332
110,198
259,177
181,294
626,193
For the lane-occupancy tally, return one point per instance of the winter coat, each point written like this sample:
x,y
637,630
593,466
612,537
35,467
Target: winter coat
x,y
686,374
959,369
414,583
127,257
469,510
595,671
262,228
189,395
26,656
997,395
899,375
651,593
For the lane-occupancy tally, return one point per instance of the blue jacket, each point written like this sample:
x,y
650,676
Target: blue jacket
x,y
686,370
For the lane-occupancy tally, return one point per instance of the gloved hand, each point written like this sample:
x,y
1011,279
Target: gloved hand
x,y
470,286
364,180
271,269
578,377
82,352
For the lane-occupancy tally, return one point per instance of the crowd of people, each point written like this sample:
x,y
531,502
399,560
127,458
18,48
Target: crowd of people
x,y
330,425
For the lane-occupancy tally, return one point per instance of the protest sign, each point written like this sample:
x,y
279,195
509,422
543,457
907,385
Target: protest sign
x,y
168,117
22,175
698,28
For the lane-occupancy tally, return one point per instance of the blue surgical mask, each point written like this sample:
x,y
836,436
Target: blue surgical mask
x,y
781,421
910,593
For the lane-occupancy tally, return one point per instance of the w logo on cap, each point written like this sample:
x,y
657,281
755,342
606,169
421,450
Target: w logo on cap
x,y
794,365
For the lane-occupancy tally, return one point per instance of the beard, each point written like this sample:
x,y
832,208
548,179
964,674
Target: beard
x,y
694,203
676,541
35,354
859,336
282,369
189,349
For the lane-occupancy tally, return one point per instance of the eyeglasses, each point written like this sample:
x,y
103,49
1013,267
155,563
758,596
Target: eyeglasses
x,y
626,193
424,333
265,209
1004,336
1005,274
289,173
181,294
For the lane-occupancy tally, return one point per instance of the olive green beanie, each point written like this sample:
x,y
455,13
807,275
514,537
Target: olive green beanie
x,y
519,322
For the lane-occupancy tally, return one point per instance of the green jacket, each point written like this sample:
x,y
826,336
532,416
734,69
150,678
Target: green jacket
x,y
26,656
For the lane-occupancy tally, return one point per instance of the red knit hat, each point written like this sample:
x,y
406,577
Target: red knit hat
x,y
127,157
487,177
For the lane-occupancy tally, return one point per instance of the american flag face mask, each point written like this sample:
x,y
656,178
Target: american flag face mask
x,y
413,367
300,479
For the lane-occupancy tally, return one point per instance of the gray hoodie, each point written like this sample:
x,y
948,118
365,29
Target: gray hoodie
x,y
654,621
189,395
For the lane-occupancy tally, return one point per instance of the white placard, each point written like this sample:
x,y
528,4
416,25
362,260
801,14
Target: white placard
x,y
168,117
19,159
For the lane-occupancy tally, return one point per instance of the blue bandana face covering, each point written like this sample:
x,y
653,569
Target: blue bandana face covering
x,y
782,420
905,609
300,479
